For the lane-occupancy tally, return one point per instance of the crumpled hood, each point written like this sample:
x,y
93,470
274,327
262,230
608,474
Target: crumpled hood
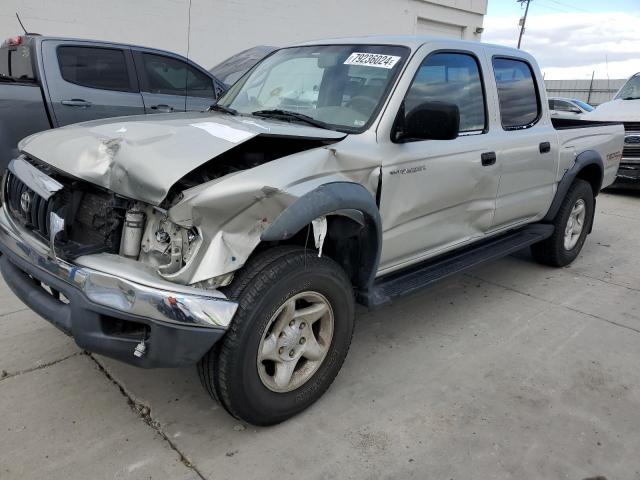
x,y
142,157
616,111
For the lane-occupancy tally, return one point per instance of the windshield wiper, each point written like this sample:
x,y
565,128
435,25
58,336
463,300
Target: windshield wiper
x,y
631,98
4,78
221,108
285,114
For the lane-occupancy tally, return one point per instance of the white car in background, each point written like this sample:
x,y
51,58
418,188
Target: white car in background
x,y
625,108
568,108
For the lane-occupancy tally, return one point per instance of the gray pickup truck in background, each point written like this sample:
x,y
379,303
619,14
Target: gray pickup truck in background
x,y
48,82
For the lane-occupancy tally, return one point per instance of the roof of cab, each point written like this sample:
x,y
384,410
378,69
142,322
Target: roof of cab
x,y
411,41
41,38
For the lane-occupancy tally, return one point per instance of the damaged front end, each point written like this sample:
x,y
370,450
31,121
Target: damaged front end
x,y
78,219
53,226
121,268
127,199
74,217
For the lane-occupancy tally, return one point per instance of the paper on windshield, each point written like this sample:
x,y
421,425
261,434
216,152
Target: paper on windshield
x,y
372,60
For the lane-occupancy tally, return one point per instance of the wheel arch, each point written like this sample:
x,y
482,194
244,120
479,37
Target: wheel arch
x,y
354,235
589,167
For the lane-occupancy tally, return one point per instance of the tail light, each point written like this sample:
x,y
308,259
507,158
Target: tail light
x,y
13,41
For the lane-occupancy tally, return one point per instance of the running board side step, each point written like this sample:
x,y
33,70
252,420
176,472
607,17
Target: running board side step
x,y
423,274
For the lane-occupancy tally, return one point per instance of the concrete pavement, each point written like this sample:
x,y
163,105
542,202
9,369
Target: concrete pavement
x,y
513,370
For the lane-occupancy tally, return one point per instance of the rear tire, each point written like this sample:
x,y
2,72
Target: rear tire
x,y
277,358
572,224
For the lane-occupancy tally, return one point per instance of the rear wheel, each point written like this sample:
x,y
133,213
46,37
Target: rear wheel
x,y
572,224
288,339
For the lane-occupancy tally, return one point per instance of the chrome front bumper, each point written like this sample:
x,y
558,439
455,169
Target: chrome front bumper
x,y
163,302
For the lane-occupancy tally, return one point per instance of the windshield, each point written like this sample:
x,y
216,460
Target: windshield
x,y
585,106
339,86
631,89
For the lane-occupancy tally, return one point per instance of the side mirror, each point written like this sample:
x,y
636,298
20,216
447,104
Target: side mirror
x,y
429,121
575,110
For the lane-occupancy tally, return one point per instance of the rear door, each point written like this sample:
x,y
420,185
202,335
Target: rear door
x,y
528,147
169,84
87,81
437,194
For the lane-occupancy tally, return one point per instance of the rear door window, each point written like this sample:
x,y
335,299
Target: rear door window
x,y
517,93
95,67
170,76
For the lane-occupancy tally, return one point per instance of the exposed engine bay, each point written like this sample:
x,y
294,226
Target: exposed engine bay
x,y
92,217
93,220
150,236
252,153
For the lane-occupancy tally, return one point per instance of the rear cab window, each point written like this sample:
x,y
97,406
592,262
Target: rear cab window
x,y
518,94
95,67
16,63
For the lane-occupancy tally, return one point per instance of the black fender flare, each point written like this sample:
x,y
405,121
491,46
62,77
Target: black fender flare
x,y
583,160
336,198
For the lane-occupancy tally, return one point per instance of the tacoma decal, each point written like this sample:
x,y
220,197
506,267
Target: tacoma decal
x,y
405,171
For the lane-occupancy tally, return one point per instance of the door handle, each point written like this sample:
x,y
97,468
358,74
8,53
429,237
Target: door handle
x,y
488,158
76,102
545,147
162,108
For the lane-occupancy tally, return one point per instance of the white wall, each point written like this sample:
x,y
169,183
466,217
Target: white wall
x,y
220,28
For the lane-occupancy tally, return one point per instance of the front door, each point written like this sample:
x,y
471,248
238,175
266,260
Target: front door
x,y
440,193
169,84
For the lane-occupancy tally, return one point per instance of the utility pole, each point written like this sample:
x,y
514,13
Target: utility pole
x,y
523,20
593,74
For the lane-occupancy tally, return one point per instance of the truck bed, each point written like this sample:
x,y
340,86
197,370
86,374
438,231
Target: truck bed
x,y
578,136
569,123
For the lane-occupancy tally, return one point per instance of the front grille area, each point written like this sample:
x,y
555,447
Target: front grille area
x,y
26,206
93,217
632,141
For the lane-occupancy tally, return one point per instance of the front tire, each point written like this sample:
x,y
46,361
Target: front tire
x,y
572,224
288,339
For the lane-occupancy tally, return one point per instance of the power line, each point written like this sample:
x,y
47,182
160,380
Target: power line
x,y
566,5
551,7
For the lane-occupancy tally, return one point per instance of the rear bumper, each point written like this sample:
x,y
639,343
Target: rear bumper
x,y
110,315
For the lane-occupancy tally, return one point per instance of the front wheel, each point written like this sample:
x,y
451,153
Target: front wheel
x,y
572,224
288,339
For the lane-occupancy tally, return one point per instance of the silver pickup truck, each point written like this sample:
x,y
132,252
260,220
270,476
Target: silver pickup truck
x,y
335,172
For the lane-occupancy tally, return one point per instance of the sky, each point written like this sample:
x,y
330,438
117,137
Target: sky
x,y
572,38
